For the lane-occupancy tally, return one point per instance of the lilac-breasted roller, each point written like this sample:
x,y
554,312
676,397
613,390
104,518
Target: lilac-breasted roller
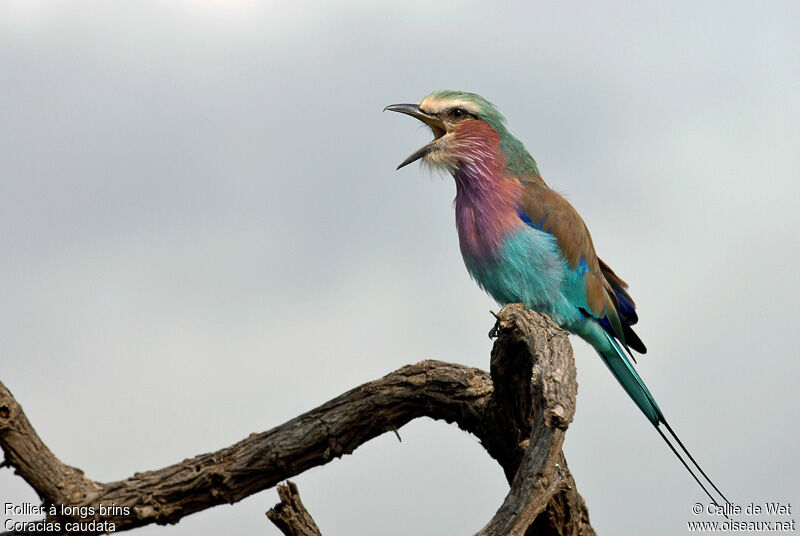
x,y
523,242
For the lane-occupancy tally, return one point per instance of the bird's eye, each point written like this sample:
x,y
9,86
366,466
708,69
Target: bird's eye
x,y
457,113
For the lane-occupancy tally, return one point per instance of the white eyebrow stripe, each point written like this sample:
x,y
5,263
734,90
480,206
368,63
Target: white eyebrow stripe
x,y
433,105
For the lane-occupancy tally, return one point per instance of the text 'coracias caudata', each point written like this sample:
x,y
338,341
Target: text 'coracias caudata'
x,y
523,242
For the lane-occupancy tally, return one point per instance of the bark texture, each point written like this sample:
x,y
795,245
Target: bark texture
x,y
290,515
519,412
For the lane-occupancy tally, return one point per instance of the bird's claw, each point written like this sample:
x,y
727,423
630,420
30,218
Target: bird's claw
x,y
496,328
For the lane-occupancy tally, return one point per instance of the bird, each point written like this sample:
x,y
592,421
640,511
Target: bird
x,y
522,242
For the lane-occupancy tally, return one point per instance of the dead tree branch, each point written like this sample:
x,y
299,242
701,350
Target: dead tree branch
x,y
519,413
544,400
290,515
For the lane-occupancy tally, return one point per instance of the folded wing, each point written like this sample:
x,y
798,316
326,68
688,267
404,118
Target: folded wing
x,y
593,286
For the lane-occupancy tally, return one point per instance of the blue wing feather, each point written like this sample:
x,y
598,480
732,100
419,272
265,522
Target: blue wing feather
x,y
576,292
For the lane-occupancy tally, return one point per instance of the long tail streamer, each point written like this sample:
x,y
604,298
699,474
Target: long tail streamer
x,y
622,369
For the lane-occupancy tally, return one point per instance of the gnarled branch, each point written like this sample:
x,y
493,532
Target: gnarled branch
x,y
290,515
519,413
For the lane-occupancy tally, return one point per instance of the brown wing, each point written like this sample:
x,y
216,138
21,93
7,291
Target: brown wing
x,y
605,293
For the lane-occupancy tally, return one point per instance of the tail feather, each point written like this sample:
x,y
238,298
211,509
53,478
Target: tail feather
x,y
622,369
680,443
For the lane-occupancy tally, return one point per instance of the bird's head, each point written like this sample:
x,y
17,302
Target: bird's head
x,y
462,124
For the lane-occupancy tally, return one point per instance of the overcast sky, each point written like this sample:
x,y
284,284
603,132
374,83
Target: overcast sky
x,y
202,235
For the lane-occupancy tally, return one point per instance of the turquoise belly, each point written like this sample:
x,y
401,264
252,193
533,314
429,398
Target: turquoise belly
x,y
527,268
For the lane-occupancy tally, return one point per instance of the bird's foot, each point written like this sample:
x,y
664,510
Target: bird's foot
x,y
496,328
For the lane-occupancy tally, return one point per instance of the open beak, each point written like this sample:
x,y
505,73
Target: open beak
x,y
436,124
